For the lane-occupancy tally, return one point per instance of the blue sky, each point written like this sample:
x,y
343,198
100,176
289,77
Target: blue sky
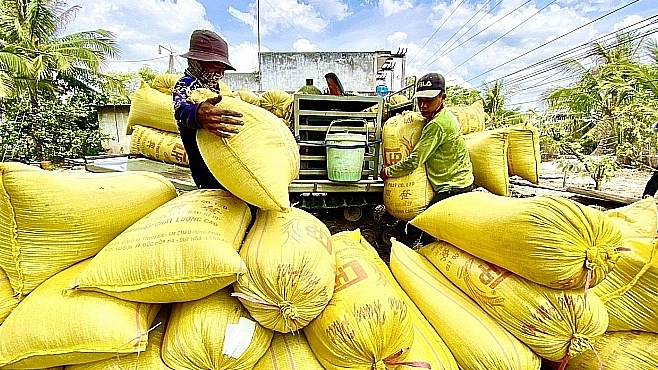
x,y
456,38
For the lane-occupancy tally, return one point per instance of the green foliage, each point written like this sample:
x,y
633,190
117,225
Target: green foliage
x,y
495,98
457,95
600,168
34,49
147,74
56,130
611,104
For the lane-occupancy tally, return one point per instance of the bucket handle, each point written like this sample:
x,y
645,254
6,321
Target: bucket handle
x,y
365,124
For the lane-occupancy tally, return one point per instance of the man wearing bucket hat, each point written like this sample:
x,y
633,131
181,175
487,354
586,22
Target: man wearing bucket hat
x,y
207,60
440,148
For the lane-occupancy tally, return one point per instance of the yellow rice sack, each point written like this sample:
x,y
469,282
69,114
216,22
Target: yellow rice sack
x,y
276,101
428,347
49,328
213,333
248,96
289,352
159,145
553,323
259,163
7,299
224,89
147,360
366,324
476,340
524,157
182,251
291,269
151,108
488,152
52,220
637,220
551,241
629,291
471,118
620,351
407,196
397,99
165,82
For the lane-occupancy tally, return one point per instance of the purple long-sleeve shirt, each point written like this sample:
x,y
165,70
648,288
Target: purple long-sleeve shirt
x,y
185,112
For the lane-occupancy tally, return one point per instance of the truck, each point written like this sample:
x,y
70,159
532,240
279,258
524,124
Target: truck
x,y
341,205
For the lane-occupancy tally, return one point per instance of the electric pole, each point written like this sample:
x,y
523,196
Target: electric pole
x,y
171,58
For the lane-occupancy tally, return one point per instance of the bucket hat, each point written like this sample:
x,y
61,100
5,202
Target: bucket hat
x,y
207,46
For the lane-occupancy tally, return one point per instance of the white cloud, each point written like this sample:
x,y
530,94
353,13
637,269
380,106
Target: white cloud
x,y
390,7
244,56
333,9
396,38
304,45
134,22
290,14
628,21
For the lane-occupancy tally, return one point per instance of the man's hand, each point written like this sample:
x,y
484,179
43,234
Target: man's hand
x,y
383,174
221,122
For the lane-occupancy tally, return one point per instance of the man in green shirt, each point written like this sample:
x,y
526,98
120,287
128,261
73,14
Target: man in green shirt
x,y
441,147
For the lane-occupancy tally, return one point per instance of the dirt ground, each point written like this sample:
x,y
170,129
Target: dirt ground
x,y
626,182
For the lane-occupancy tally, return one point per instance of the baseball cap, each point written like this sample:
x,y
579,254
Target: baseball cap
x,y
208,46
430,86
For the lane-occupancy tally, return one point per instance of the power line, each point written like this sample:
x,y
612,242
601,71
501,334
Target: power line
x,y
290,24
582,54
503,35
437,30
578,52
555,39
462,27
484,29
470,28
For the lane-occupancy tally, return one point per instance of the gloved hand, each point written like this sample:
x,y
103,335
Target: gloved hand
x,y
383,174
220,122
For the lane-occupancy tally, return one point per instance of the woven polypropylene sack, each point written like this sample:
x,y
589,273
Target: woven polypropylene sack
x,y
524,157
637,220
8,301
548,240
476,340
488,152
147,360
182,251
248,96
259,163
629,291
159,145
407,196
151,108
289,352
224,89
471,118
291,268
276,101
553,323
428,347
165,82
624,350
366,325
215,333
52,220
50,328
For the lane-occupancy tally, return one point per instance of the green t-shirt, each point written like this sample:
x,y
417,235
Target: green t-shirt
x,y
441,148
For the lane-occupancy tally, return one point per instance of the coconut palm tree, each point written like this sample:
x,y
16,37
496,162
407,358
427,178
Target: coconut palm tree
x,y
495,96
34,52
606,99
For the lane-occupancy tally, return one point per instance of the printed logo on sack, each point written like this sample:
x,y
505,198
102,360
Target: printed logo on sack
x,y
349,274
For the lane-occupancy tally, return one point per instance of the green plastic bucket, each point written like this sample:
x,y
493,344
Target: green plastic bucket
x,y
345,153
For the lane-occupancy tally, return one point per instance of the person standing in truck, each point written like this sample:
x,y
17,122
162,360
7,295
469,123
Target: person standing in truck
x,y
440,148
207,61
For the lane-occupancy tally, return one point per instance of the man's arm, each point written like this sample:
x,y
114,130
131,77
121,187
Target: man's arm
x,y
430,139
185,111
